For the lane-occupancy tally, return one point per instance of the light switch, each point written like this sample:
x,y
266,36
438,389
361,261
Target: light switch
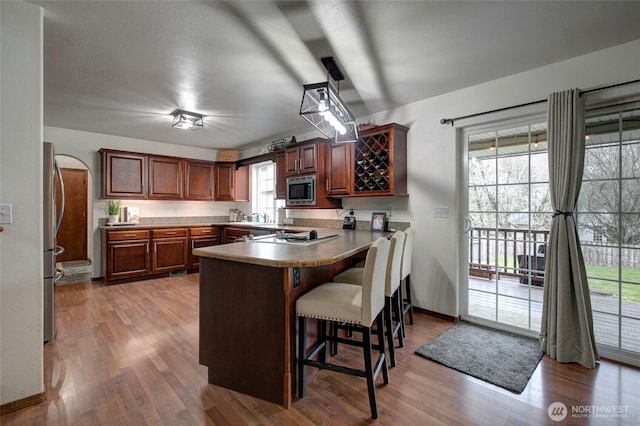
x,y
6,213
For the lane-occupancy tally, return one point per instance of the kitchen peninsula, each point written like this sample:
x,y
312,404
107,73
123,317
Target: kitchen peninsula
x,y
248,292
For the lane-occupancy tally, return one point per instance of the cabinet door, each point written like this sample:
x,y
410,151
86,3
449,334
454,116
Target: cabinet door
x,y
165,178
231,235
281,177
197,242
127,259
170,254
308,162
340,169
124,174
198,180
291,159
242,184
224,181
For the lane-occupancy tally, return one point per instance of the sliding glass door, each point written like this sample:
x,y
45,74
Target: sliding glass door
x,y
507,224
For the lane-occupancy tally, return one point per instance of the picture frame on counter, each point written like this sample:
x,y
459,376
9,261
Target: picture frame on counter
x,y
378,222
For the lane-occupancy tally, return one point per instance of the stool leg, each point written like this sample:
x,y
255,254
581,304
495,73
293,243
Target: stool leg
x,y
388,319
302,343
397,301
409,302
323,338
380,332
366,340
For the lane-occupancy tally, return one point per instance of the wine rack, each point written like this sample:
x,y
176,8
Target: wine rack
x,y
372,164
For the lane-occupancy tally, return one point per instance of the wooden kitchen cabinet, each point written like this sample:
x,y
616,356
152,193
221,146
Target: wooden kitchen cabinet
x,y
339,169
170,249
302,159
127,254
281,177
231,235
199,177
201,237
124,174
165,177
380,162
230,184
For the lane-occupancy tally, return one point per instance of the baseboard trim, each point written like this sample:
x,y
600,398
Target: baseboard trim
x,y
19,404
437,314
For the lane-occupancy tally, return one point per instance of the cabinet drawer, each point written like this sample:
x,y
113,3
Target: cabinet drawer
x,y
137,234
204,231
170,232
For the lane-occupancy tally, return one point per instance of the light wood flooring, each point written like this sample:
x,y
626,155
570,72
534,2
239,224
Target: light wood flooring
x,y
128,355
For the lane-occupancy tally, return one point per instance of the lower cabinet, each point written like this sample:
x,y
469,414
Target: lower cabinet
x,y
170,249
127,254
134,254
231,235
201,237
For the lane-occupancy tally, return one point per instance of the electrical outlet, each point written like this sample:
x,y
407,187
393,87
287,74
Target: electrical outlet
x,y
441,212
6,213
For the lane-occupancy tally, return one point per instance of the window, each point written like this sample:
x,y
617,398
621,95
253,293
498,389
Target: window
x,y
263,192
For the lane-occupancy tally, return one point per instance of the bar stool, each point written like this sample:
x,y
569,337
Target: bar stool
x,y
393,300
352,304
407,304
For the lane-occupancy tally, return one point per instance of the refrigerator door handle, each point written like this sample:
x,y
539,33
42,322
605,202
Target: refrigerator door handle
x,y
61,213
58,251
59,275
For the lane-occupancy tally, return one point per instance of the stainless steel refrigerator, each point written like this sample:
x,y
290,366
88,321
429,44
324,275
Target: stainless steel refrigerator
x,y
52,219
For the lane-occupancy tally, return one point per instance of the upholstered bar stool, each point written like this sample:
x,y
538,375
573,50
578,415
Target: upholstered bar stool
x,y
393,300
405,276
352,304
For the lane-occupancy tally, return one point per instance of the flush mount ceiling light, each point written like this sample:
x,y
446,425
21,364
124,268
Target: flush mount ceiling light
x,y
325,110
187,120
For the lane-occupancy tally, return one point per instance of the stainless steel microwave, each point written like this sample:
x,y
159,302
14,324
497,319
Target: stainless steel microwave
x,y
301,190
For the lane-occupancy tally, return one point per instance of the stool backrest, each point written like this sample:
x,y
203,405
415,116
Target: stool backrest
x,y
408,252
373,280
396,250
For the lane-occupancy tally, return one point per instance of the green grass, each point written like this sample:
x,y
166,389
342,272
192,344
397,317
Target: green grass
x,y
602,278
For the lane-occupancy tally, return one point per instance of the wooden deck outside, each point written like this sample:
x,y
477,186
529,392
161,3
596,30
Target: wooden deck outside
x,y
514,308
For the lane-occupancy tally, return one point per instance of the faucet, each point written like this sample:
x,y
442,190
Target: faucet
x,y
263,216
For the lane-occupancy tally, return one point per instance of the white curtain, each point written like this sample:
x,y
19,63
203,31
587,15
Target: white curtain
x,y
567,324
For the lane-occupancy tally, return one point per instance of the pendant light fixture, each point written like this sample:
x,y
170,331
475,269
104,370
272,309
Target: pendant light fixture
x,y
325,110
186,120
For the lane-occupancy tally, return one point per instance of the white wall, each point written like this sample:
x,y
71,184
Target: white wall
x,y
21,243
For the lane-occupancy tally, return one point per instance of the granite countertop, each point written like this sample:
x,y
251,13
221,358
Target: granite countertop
x,y
295,255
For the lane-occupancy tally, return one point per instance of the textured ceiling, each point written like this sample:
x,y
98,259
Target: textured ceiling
x,y
120,67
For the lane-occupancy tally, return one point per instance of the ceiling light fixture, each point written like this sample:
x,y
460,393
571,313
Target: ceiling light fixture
x,y
186,120
325,110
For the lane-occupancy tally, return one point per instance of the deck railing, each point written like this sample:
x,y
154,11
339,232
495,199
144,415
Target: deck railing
x,y
507,252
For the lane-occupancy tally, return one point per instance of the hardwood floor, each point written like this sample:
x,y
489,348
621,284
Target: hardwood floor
x,y
128,355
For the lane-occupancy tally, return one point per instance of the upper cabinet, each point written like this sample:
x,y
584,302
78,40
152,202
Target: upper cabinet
x,y
165,177
231,184
138,175
281,177
377,164
302,159
124,174
198,180
339,169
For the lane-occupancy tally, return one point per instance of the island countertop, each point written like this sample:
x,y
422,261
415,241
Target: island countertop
x,y
295,255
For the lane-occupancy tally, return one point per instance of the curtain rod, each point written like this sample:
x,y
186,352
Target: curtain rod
x,y
582,92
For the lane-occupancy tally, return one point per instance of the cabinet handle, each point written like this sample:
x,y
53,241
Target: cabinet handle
x,y
206,232
129,235
295,165
171,233
300,163
147,247
326,185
